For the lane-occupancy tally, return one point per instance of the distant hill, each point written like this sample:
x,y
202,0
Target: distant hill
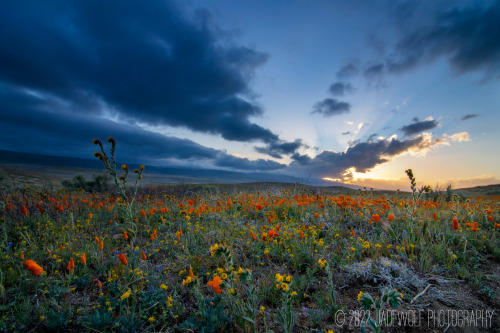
x,y
59,167
479,191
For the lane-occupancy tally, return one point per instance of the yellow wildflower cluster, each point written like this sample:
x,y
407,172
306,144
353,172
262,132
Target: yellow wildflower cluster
x,y
283,281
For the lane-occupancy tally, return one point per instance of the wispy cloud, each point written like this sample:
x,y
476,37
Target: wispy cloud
x,y
470,116
419,126
331,107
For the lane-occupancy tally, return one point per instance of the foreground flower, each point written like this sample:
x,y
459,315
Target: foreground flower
x,y
215,284
33,267
123,259
126,294
71,265
359,295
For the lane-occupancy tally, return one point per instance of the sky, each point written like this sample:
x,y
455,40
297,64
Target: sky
x,y
350,91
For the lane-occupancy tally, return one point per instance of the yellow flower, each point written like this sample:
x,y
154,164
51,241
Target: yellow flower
x,y
230,291
278,286
359,295
213,248
164,287
284,286
151,319
169,301
186,281
278,277
126,294
293,293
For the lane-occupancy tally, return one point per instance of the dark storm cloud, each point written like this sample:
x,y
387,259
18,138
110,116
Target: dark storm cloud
x,y
419,126
277,149
470,116
141,61
467,37
301,159
340,88
35,124
330,107
364,156
234,162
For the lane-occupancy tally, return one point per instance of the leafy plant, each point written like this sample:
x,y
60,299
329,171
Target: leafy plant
x,y
121,181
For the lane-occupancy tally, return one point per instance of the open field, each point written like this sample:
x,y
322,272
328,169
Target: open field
x,y
244,258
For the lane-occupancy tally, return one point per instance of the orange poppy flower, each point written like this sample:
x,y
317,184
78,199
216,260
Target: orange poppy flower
x,y
83,258
390,217
143,256
191,271
22,255
123,259
376,218
352,233
253,236
474,227
71,265
33,267
101,245
215,284
125,236
455,223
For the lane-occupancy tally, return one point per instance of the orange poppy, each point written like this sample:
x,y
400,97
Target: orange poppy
x,y
215,284
33,267
143,256
123,259
455,223
71,265
83,258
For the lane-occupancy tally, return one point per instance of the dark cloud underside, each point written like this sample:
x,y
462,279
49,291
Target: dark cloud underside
x,y
467,37
142,61
362,156
32,122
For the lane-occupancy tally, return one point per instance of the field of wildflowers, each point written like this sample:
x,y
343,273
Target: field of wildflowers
x,y
165,259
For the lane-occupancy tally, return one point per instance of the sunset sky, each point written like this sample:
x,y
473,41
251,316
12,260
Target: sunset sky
x,y
353,91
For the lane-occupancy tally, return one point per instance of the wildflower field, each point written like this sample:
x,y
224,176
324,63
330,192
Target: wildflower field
x,y
207,258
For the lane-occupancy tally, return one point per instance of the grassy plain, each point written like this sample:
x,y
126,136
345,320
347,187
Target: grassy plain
x,y
242,258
